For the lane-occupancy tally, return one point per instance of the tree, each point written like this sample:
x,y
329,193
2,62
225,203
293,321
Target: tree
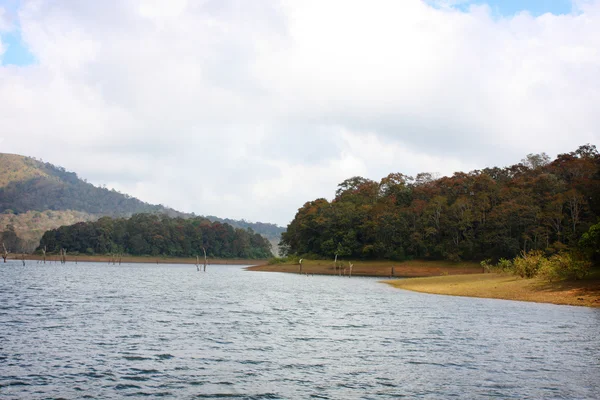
x,y
535,161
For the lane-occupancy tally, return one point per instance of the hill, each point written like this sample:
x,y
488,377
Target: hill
x,y
37,196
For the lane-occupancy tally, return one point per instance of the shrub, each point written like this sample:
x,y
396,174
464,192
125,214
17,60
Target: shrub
x,y
505,265
565,266
528,264
559,266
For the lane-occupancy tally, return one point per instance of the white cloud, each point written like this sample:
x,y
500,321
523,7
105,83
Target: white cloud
x,y
249,109
5,23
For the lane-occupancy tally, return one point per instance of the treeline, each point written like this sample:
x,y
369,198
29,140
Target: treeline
x,y
268,230
492,213
151,234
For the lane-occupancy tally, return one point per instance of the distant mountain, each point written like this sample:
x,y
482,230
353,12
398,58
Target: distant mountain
x,y
36,196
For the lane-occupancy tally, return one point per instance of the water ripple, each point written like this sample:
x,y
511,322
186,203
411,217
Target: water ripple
x,y
109,332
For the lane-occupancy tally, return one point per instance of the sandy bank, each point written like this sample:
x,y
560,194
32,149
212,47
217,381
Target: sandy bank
x,y
508,287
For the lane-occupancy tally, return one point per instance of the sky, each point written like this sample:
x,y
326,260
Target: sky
x,y
249,109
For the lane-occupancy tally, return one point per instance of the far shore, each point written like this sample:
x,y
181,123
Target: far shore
x,y
411,268
135,259
509,287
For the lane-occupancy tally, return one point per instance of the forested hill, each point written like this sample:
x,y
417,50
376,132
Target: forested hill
x,y
152,234
27,184
270,231
36,196
491,213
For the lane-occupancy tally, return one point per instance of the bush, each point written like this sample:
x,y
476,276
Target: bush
x,y
565,266
528,264
505,265
559,266
486,264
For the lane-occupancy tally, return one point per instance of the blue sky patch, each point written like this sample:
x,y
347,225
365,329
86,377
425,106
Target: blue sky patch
x,y
16,52
507,8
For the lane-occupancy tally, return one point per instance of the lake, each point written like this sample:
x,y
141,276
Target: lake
x,y
106,332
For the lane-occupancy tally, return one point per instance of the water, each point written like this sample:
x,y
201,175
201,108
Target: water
x,y
99,331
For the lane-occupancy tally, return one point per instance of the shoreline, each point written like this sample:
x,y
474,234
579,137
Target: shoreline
x,y
508,287
135,260
380,269
431,277
459,279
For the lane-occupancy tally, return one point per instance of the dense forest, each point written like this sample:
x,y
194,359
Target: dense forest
x,y
491,213
151,234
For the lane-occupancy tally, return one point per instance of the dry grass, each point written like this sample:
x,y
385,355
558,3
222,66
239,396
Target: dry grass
x,y
17,168
499,286
377,268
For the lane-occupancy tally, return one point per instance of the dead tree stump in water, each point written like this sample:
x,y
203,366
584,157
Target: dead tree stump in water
x,y
63,256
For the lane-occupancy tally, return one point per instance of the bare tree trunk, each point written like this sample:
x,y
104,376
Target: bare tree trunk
x,y
335,263
5,253
44,254
575,207
64,256
23,259
205,259
300,267
197,263
350,267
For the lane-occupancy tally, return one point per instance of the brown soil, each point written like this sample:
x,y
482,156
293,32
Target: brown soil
x,y
376,268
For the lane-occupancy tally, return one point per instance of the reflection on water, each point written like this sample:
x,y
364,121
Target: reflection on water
x,y
100,331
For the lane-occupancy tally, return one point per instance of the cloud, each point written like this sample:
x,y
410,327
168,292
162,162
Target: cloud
x,y
249,109
5,23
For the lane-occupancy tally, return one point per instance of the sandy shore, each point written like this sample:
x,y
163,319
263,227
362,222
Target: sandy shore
x,y
376,268
509,287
